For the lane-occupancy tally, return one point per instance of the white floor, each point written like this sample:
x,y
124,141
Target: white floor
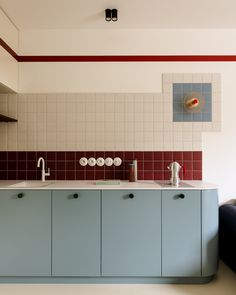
x,y
223,284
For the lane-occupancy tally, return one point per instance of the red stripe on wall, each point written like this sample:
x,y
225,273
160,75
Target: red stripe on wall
x,y
129,58
8,49
117,58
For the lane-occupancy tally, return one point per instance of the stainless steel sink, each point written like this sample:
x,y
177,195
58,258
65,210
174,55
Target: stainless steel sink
x,y
166,183
31,184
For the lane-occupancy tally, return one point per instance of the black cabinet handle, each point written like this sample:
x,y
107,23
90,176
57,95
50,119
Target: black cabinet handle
x,y
75,196
181,196
20,196
131,196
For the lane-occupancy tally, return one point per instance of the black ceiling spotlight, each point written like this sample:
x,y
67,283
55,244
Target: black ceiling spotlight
x,y
108,15
111,14
114,15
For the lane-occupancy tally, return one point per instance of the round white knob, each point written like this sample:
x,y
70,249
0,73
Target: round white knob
x,y
100,161
92,162
108,161
117,161
83,161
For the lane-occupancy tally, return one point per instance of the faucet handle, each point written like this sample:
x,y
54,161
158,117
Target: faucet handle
x,y
47,173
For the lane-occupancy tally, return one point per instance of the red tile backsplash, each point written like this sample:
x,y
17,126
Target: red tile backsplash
x,y
65,165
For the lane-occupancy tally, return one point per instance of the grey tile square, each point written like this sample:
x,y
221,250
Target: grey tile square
x,y
180,90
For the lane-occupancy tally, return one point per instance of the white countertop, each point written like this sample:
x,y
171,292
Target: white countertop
x,y
91,185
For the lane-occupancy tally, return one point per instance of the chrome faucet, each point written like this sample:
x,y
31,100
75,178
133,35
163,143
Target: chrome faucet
x,y
43,168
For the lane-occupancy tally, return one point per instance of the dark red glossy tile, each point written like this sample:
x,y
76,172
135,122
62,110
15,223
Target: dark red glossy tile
x,y
119,175
197,156
60,156
166,175
99,174
22,156
90,155
3,156
128,156
148,175
12,156
109,154
188,175
158,156
70,156
22,165
70,165
197,165
187,156
52,175
60,175
31,175
61,165
31,165
3,165
52,165
140,175
158,165
12,165
51,156
188,165
90,175
31,156
148,156
177,156
70,175
90,168
22,175
139,156
12,175
109,174
197,175
140,165
148,165
99,154
119,154
79,167
168,156
3,175
79,155
158,175
80,175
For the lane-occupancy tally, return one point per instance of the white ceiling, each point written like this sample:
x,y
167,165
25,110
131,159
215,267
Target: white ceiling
x,y
133,14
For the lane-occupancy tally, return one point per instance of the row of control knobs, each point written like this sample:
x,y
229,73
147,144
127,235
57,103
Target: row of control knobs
x,y
100,161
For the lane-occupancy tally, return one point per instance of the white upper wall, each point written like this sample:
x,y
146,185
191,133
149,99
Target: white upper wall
x,y
8,32
131,42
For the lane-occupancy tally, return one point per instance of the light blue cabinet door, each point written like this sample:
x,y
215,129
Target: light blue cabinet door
x,y
25,233
181,233
210,227
131,233
76,233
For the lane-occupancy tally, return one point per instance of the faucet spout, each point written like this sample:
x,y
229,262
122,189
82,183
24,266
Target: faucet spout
x,y
43,168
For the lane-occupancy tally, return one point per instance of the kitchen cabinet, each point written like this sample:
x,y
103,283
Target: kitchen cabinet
x,y
76,233
181,233
114,236
25,231
131,233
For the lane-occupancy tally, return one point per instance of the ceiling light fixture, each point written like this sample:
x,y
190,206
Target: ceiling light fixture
x,y
108,15
114,15
111,14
